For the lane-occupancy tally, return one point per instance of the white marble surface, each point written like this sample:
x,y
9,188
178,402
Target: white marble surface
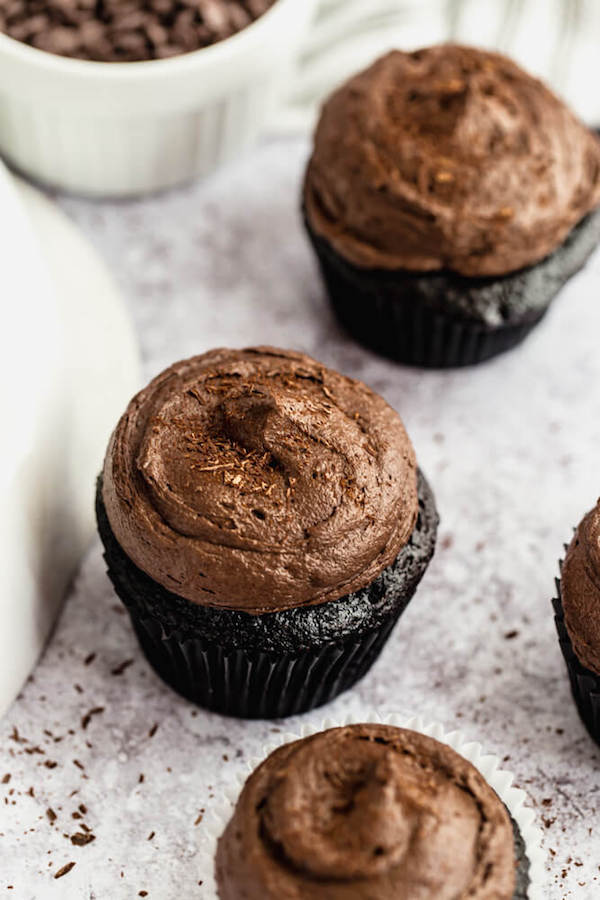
x,y
511,450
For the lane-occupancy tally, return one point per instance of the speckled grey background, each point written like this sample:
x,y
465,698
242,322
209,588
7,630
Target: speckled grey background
x,y
511,449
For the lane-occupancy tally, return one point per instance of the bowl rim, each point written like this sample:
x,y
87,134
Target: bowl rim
x,y
219,52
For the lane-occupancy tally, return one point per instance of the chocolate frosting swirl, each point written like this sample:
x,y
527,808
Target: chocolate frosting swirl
x,y
580,588
367,811
449,158
259,480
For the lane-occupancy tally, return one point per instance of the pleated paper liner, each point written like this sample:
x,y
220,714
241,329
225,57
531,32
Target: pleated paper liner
x,y
392,315
275,665
528,852
255,685
585,684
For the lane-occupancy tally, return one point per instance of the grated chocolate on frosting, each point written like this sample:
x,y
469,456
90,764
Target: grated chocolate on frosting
x,y
259,480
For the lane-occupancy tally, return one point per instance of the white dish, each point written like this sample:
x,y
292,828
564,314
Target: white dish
x,y
69,363
126,128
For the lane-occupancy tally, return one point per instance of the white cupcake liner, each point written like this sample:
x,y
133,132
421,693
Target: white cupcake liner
x,y
488,765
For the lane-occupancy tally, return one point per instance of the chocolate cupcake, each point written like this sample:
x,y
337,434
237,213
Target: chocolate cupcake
x,y
265,524
449,197
369,811
577,610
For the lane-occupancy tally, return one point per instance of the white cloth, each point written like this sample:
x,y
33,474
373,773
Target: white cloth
x,y
554,39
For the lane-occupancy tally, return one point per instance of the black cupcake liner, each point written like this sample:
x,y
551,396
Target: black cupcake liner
x,y
272,665
443,320
585,684
522,864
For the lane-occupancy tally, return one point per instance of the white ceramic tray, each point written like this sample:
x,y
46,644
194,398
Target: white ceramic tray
x,y
68,364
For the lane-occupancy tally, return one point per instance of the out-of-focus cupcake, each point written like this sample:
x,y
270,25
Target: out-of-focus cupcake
x,y
370,812
577,609
265,523
449,197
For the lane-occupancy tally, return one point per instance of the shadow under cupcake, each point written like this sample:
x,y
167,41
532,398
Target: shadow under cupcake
x,y
449,197
265,524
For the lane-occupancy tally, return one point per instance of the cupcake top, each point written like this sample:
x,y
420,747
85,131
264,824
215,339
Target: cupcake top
x,y
580,588
449,158
259,480
367,811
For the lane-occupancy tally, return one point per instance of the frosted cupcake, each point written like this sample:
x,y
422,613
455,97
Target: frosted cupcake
x,y
577,609
369,812
449,197
265,523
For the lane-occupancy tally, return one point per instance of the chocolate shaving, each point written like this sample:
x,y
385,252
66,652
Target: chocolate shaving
x,y
65,870
117,31
80,839
88,716
118,670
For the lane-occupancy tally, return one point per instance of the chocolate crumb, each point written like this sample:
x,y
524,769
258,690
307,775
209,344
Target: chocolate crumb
x,y
88,716
151,835
51,815
78,764
510,635
65,870
50,764
153,730
89,659
118,670
6,778
80,839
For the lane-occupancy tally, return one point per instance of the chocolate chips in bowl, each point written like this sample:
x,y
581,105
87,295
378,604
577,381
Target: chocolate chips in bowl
x,y
126,30
119,98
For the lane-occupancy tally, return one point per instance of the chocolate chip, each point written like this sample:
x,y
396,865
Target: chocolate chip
x,y
126,30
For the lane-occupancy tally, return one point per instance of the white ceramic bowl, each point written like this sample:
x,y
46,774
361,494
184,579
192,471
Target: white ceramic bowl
x,y
118,129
